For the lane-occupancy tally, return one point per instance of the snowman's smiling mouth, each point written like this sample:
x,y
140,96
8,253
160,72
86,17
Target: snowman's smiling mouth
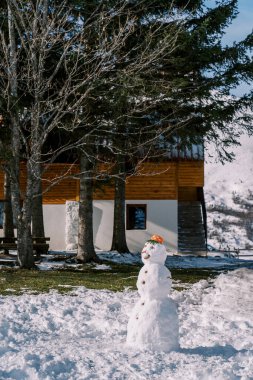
x,y
145,255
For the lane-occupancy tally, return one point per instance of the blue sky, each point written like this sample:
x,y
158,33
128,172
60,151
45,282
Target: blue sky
x,y
239,29
243,24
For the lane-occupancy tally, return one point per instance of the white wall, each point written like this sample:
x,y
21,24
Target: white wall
x,y
161,220
103,224
54,222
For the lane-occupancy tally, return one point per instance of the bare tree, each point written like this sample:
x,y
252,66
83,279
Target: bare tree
x,y
47,75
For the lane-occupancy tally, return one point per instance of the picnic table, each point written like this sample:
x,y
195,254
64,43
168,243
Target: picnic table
x,y
40,245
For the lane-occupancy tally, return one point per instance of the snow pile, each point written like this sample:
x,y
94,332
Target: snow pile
x,y
82,335
222,314
229,198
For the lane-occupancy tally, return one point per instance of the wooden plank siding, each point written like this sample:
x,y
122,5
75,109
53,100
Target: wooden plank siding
x,y
66,189
156,181
62,190
191,173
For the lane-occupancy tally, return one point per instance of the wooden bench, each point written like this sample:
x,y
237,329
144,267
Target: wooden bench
x,y
39,244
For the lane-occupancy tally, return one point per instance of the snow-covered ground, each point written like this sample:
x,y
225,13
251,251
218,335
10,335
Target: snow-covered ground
x,y
229,198
82,335
214,260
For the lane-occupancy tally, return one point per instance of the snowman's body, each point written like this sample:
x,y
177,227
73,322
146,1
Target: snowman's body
x,y
154,322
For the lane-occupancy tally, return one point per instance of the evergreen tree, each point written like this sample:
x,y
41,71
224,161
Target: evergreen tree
x,y
111,96
183,97
203,72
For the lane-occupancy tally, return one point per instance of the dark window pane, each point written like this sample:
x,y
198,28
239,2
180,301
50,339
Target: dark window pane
x,y
136,217
139,218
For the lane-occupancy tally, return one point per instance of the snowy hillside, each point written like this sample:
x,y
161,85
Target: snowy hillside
x,y
229,198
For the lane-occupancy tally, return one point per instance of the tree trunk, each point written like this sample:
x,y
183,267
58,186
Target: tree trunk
x,y
119,226
8,226
37,212
86,251
22,214
25,243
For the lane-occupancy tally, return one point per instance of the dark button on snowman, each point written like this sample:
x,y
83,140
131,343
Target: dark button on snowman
x,y
153,323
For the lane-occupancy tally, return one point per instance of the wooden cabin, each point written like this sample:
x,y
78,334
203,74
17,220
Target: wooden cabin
x,y
165,198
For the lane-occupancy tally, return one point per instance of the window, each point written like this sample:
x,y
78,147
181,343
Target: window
x,y
136,217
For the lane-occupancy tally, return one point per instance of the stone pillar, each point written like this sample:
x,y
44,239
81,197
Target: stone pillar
x,y
71,232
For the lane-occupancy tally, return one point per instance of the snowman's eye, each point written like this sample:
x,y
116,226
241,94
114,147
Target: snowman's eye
x,y
152,247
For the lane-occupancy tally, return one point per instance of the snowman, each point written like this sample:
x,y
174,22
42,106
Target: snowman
x,y
153,323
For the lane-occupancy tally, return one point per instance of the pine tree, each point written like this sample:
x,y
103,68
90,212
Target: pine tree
x,y
111,95
184,97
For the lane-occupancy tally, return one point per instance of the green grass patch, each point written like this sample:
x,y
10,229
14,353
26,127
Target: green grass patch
x,y
18,281
120,276
192,275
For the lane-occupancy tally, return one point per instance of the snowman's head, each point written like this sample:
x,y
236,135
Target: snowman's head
x,y
154,251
